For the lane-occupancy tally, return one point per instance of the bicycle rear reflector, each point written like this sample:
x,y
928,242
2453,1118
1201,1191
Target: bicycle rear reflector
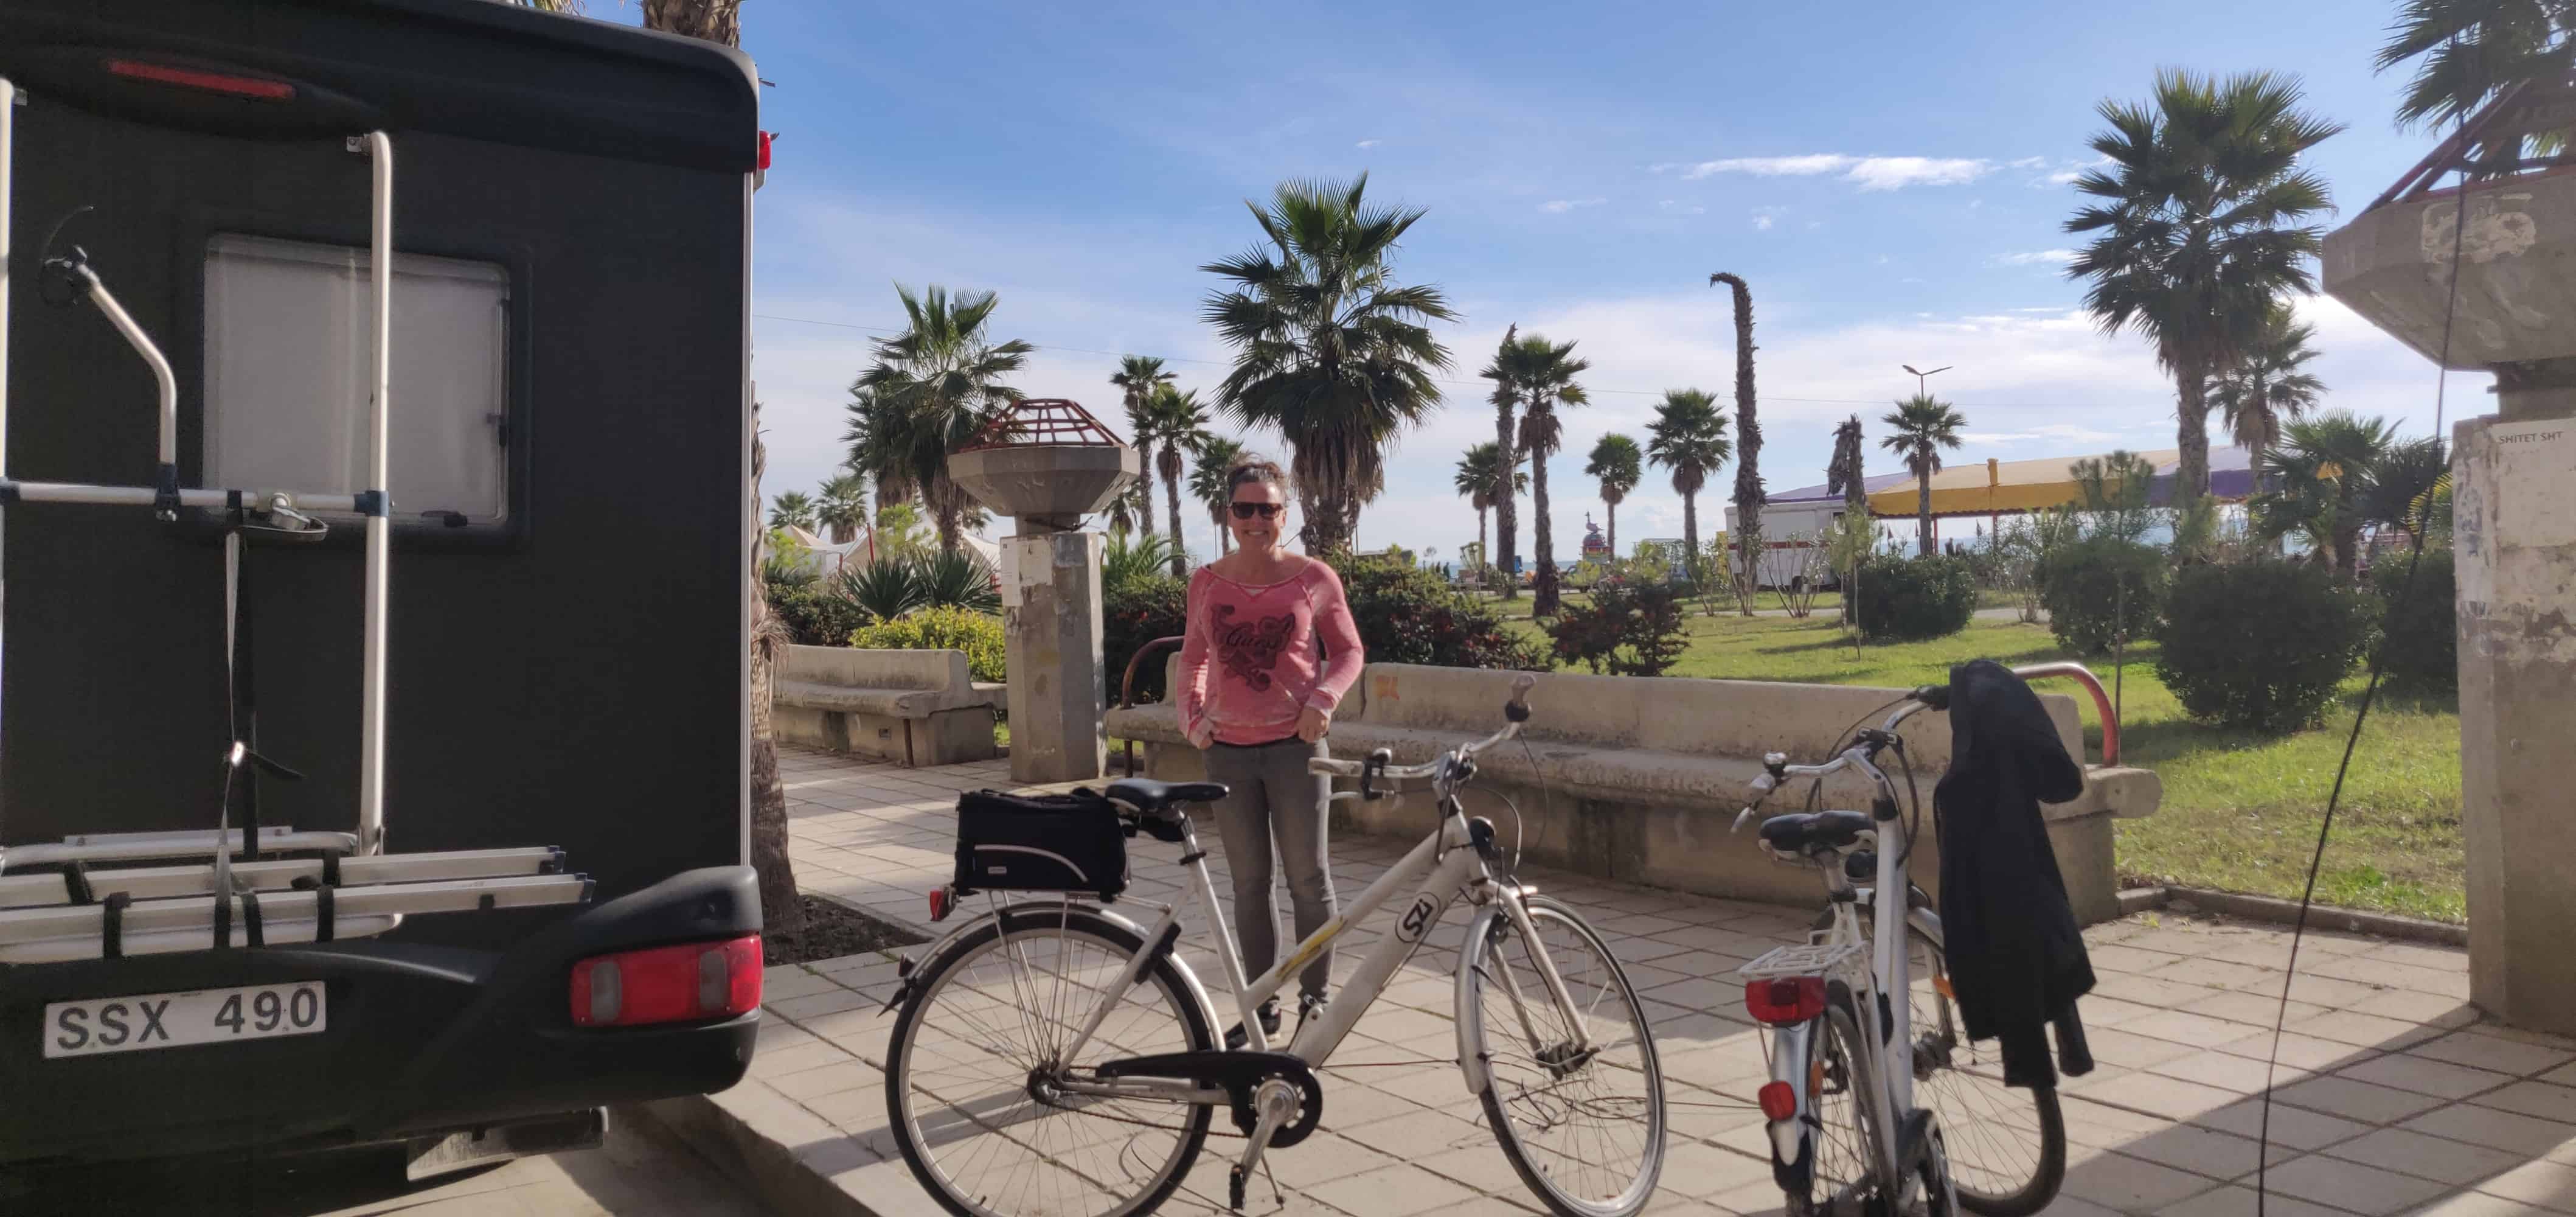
x,y
1785,1001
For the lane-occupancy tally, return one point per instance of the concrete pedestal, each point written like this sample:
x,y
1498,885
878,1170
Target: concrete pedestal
x,y
2514,521
1051,627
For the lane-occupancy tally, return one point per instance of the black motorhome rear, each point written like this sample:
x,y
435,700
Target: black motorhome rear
x,y
509,881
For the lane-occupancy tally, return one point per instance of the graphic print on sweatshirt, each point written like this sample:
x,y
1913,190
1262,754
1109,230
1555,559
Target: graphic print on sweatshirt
x,y
1251,648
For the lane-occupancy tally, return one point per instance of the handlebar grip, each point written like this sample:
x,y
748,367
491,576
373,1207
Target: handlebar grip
x,y
1517,708
1935,696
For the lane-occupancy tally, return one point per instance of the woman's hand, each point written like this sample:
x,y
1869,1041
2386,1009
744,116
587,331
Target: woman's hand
x,y
1312,724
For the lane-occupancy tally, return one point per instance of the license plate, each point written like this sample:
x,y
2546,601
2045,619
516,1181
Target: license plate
x,y
173,1020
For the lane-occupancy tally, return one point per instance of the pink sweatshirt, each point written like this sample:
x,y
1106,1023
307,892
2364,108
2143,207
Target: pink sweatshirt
x,y
1268,665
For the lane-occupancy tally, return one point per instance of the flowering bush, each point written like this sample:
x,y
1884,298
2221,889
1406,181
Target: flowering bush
x,y
1629,629
1410,615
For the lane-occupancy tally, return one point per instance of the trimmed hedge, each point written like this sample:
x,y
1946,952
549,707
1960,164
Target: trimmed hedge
x,y
1407,614
2262,645
1927,596
2420,640
1135,612
946,628
2080,584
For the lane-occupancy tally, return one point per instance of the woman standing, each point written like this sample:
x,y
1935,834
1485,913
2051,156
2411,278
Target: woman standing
x,y
1270,650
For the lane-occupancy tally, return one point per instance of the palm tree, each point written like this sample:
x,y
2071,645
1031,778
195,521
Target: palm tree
x,y
1180,424
1137,377
1507,441
1543,373
1329,349
1688,437
2406,474
2323,475
1843,474
2200,222
842,506
2266,384
1920,427
2474,50
793,509
933,387
782,911
1618,464
1748,441
1481,473
1217,457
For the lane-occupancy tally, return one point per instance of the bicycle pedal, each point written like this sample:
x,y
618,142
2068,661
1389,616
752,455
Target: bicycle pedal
x,y
1234,1187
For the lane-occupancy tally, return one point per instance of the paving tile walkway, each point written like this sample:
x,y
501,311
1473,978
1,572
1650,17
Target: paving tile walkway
x,y
2391,1097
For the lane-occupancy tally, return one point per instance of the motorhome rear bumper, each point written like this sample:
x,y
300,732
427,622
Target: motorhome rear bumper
x,y
419,1039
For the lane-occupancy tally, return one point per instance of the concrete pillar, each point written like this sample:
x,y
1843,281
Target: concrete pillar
x,y
1051,638
2514,538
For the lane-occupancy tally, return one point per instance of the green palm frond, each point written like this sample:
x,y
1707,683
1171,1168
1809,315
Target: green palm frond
x,y
1920,427
1688,437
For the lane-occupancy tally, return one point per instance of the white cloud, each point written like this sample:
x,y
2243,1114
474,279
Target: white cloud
x,y
1368,143
2037,257
2070,170
1558,207
2030,162
1867,172
1679,208
1765,217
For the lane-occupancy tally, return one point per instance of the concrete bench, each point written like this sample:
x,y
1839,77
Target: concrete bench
x,y
914,708
1639,778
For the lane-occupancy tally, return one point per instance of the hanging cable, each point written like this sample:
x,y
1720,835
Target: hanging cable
x,y
2361,715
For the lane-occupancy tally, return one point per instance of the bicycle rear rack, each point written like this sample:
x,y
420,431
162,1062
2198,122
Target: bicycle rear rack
x,y
351,888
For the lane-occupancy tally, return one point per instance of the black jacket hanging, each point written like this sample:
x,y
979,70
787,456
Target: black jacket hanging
x,y
2016,956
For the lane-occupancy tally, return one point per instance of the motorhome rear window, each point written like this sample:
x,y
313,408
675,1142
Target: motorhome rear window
x,y
288,362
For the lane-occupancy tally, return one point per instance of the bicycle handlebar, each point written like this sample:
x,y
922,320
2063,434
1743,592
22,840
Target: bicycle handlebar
x,y
1516,710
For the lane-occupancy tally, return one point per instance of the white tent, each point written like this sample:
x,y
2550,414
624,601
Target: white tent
x,y
828,559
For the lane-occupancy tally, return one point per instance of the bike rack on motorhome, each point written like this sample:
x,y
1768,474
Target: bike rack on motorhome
x,y
53,907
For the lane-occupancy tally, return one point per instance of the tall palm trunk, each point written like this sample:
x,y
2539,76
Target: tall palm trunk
x,y
1612,539
843,531
1690,533
1923,504
1172,494
1482,554
1542,538
1507,521
2191,415
1748,445
720,21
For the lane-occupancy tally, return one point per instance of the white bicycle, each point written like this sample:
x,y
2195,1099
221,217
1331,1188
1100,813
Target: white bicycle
x,y
1846,1136
1056,1057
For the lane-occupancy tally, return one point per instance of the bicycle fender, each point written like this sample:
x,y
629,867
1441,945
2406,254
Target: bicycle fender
x,y
1046,909
1788,1064
1471,1047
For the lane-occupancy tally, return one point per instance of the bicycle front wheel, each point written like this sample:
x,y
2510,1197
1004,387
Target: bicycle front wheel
x,y
975,1071
2007,1145
1584,1127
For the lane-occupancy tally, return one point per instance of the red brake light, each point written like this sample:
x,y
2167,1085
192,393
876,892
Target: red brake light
x,y
765,137
1784,1002
938,904
687,983
1779,1101
252,87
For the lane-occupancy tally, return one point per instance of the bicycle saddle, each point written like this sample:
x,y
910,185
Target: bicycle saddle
x,y
1148,795
1802,831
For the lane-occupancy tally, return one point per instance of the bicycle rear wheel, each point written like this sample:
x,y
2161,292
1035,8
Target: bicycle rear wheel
x,y
1842,1145
2007,1145
972,1072
1585,1130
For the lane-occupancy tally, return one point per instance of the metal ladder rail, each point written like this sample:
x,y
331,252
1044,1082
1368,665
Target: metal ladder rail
x,y
373,503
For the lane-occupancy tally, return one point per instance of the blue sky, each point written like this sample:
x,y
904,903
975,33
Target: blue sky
x,y
1889,177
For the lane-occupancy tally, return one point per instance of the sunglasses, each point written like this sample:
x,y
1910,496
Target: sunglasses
x,y
1267,511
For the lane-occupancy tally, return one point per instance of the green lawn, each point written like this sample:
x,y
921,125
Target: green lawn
x,y
2240,811
1770,602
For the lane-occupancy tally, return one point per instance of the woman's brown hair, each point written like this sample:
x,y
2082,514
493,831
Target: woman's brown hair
x,y
1255,469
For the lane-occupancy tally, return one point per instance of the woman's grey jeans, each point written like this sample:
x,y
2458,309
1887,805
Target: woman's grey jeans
x,y
1271,798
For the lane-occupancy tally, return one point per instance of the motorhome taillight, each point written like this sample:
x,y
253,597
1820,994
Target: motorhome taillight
x,y
686,983
1786,1001
765,137
252,87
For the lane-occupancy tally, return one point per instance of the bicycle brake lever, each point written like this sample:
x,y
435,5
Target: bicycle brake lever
x,y
1740,819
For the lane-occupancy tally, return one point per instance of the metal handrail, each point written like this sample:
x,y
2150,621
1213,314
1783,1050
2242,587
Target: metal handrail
x,y
1127,686
2101,700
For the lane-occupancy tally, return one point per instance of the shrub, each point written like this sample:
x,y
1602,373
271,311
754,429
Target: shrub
x,y
2082,584
954,580
816,614
1133,613
944,628
2259,645
1932,596
1409,615
1629,629
2420,640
